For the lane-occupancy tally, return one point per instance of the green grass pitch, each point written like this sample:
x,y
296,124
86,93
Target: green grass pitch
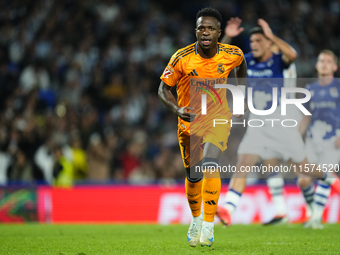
x,y
156,239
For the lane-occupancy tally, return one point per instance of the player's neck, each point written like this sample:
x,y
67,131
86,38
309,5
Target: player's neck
x,y
208,53
265,56
325,80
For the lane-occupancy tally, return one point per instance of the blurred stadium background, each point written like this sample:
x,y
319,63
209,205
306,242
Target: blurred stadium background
x,y
78,92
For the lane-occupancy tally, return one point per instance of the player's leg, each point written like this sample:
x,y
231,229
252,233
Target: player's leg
x,y
306,183
211,182
320,198
309,170
193,186
193,190
275,184
236,187
210,191
297,154
307,188
215,142
329,157
252,146
325,179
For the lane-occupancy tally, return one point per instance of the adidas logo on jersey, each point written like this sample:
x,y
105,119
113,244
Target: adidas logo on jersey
x,y
193,73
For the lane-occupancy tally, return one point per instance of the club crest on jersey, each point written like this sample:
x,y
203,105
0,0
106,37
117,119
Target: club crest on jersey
x,y
334,92
220,68
167,72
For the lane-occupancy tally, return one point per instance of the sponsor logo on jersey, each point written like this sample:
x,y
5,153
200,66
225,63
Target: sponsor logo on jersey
x,y
207,85
262,73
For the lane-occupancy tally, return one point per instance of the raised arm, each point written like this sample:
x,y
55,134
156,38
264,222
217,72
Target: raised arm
x,y
164,93
289,54
232,29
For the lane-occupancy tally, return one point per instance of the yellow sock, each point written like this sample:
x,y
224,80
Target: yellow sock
x,y
194,196
211,189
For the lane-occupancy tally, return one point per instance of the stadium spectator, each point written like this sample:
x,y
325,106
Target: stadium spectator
x,y
62,168
80,165
98,158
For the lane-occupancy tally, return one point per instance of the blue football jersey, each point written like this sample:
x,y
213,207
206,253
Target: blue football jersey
x,y
263,77
324,106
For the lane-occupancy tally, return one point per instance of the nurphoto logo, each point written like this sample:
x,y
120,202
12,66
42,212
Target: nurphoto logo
x,y
238,94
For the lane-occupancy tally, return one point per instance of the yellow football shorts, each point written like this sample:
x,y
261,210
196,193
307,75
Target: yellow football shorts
x,y
192,145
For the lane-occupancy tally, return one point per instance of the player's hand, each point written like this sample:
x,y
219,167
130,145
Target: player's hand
x,y
337,143
233,27
266,28
185,114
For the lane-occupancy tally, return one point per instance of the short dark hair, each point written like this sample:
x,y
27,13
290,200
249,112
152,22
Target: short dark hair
x,y
256,30
209,12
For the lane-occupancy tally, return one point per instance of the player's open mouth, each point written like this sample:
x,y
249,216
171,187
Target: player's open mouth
x,y
206,41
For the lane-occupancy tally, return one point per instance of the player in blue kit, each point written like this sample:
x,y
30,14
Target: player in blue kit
x,y
265,72
323,135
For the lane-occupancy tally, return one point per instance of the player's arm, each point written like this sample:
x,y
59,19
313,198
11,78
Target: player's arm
x,y
231,30
241,73
289,54
304,124
337,142
164,93
241,79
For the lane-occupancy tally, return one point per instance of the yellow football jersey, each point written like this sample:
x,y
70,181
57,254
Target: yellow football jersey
x,y
195,76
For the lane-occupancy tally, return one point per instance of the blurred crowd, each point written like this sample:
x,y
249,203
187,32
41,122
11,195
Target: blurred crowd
x,y
79,80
